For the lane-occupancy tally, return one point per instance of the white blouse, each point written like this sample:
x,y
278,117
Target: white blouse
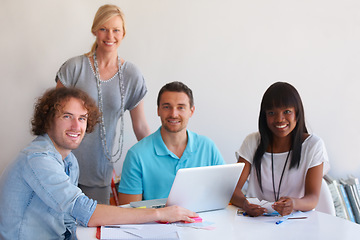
x,y
313,153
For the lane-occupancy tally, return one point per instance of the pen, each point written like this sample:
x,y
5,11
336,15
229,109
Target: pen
x,y
112,226
241,212
282,220
278,222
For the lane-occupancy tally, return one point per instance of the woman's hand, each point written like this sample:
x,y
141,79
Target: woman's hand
x,y
253,210
284,206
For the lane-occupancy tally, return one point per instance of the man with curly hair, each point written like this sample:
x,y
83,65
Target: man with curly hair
x,y
39,197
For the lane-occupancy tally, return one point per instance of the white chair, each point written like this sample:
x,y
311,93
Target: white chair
x,y
325,204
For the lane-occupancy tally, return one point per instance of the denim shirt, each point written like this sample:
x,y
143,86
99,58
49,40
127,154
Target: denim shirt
x,y
39,197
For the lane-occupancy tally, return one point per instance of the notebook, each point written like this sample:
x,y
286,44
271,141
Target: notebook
x,y
200,189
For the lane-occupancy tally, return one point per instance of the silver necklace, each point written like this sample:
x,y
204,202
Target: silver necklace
x,y
106,151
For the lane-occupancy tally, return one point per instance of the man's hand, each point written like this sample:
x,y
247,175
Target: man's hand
x,y
175,214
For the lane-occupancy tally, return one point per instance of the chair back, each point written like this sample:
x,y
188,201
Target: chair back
x,y
326,203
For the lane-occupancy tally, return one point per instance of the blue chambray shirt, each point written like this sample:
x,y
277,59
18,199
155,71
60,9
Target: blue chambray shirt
x,y
39,197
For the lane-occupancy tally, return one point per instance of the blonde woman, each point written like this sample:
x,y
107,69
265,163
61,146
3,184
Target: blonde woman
x,y
116,85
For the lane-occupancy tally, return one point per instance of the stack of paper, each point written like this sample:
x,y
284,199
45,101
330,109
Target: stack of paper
x,y
139,231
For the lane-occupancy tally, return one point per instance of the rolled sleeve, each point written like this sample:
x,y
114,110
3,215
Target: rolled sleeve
x,y
83,209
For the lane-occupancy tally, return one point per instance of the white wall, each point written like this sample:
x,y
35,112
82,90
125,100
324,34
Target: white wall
x,y
227,51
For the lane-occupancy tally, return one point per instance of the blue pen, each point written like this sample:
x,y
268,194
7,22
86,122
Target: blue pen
x,y
278,222
282,220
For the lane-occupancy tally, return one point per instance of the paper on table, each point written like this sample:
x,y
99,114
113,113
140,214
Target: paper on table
x,y
293,215
272,218
199,225
262,203
114,233
140,231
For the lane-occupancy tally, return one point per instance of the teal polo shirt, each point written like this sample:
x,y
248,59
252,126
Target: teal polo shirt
x,y
150,168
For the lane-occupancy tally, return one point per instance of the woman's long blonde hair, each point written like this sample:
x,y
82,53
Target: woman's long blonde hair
x,y
104,14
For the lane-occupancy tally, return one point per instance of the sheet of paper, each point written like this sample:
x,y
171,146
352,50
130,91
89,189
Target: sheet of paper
x,y
115,233
272,219
262,203
297,215
140,231
206,225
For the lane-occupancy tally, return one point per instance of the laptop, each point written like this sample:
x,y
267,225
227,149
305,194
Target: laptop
x,y
200,189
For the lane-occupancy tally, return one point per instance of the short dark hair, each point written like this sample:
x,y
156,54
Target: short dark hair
x,y
176,87
280,94
52,101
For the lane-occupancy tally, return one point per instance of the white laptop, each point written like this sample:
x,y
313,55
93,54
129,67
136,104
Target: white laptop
x,y
200,189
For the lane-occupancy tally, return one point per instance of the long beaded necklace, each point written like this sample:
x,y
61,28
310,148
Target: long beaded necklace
x,y
119,151
276,196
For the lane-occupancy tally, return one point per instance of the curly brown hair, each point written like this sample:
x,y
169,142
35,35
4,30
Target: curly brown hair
x,y
52,102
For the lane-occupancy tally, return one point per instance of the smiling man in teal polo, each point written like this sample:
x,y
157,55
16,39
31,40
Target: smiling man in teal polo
x,y
150,165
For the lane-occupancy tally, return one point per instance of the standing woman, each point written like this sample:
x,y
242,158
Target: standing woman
x,y
283,162
117,86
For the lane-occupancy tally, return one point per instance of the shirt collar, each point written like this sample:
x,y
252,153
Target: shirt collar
x,y
162,150
57,154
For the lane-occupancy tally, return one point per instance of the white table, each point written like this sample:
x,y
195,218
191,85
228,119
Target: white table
x,y
229,226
